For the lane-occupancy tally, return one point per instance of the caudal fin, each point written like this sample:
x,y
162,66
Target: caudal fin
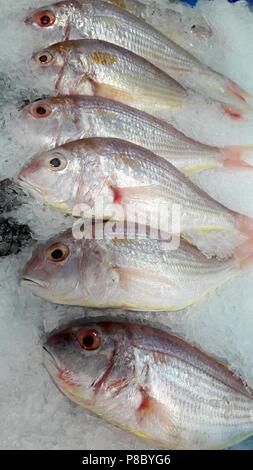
x,y
238,156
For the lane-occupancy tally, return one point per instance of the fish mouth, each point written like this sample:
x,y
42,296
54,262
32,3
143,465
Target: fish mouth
x,y
29,186
51,363
49,357
57,371
30,282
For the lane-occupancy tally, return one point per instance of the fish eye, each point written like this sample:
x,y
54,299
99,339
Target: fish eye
x,y
89,339
45,19
57,162
44,58
41,110
57,252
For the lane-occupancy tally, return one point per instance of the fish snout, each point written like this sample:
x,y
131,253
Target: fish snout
x,y
30,178
50,361
34,276
56,354
57,339
29,170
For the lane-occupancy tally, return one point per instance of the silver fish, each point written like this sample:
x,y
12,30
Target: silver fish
x,y
106,70
103,270
98,68
118,179
54,121
150,383
103,21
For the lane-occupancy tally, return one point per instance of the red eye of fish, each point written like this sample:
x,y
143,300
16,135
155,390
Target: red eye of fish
x,y
45,19
41,110
57,252
89,339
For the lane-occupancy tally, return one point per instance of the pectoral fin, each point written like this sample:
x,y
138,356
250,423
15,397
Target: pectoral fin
x,y
152,414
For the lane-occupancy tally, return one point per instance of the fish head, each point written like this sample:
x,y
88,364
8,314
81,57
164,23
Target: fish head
x,y
53,176
71,271
54,270
68,65
74,177
91,362
50,122
53,20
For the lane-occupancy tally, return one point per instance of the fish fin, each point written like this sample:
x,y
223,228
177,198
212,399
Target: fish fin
x,y
155,413
117,194
234,113
148,404
148,98
238,157
244,254
237,92
123,195
110,92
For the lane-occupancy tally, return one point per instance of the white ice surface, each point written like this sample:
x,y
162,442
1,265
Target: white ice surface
x,y
34,415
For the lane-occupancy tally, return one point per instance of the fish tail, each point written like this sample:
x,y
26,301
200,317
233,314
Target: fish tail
x,y
244,254
238,156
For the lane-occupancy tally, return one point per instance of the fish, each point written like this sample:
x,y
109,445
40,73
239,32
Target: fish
x,y
54,121
101,268
150,383
111,72
101,20
112,178
98,68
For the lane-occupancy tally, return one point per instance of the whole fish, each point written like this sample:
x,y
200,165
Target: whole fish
x,y
95,19
138,274
119,180
57,120
98,68
150,383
